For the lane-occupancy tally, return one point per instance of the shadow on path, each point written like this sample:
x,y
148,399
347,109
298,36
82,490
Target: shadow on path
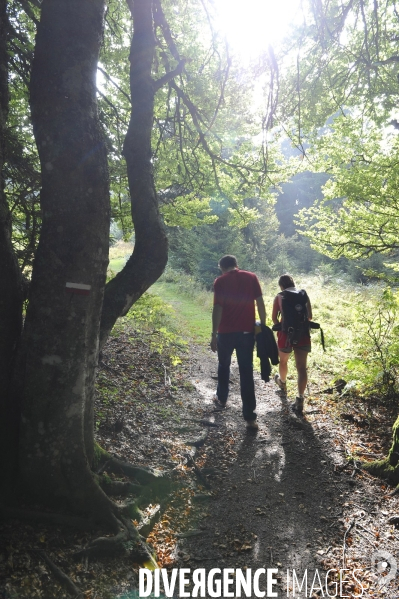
x,y
278,505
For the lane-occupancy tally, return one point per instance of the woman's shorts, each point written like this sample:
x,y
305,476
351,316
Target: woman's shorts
x,y
284,345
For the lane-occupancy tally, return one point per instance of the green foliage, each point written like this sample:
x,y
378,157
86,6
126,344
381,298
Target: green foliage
x,y
344,56
204,124
186,212
153,317
198,251
338,98
376,359
204,148
21,163
359,212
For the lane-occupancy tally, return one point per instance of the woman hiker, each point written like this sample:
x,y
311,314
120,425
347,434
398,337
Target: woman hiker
x,y
291,312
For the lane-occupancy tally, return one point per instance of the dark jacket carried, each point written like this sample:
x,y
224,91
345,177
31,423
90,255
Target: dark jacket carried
x,y
266,350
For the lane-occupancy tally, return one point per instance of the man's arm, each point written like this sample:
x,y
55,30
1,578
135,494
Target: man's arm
x,y
261,309
216,318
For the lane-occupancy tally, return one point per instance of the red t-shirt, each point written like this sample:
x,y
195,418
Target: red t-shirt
x,y
236,291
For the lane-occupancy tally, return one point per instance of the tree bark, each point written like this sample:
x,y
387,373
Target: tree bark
x,y
150,253
11,287
59,351
388,468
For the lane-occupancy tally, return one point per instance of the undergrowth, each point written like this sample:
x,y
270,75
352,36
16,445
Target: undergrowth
x,y
155,320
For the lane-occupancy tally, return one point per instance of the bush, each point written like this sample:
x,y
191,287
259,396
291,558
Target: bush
x,y
377,344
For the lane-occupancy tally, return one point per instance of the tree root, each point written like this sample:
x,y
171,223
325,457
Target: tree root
x,y
127,542
131,510
383,469
114,488
199,441
395,491
145,476
62,578
197,471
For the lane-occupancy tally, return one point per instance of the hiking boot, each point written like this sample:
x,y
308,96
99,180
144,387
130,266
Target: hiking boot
x,y
217,402
297,406
252,425
280,384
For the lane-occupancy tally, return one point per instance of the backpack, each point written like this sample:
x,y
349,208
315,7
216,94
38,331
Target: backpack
x,y
294,314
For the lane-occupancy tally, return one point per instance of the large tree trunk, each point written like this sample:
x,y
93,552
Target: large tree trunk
x,y
150,251
59,351
10,277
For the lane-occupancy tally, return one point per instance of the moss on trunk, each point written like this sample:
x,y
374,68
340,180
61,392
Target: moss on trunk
x,y
388,469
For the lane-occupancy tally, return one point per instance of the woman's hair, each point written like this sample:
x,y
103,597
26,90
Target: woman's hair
x,y
286,281
228,262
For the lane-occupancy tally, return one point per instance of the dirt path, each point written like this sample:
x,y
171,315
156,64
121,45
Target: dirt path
x,y
284,496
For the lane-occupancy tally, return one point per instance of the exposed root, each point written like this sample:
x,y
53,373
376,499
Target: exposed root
x,y
115,488
131,510
148,525
127,542
62,578
145,476
383,469
197,471
199,441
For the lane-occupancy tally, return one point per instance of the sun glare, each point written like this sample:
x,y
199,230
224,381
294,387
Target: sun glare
x,y
252,25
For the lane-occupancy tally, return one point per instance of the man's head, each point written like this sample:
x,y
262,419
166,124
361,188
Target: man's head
x,y
228,263
286,281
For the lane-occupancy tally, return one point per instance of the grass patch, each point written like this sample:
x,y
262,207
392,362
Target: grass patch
x,y
192,314
116,264
118,254
120,249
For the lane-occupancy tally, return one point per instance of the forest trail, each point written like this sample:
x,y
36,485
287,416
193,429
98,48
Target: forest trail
x,y
286,497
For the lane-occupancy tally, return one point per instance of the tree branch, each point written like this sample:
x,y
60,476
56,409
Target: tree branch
x,y
171,75
378,63
115,84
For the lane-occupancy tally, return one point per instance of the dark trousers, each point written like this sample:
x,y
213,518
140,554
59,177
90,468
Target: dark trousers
x,y
243,343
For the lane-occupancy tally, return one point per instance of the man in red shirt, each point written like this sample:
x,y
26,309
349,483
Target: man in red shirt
x,y
233,320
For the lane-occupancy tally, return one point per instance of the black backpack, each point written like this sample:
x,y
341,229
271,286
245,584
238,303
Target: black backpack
x,y
294,315
295,320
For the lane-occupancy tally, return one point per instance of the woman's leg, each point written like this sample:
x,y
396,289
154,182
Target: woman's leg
x,y
301,357
283,365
